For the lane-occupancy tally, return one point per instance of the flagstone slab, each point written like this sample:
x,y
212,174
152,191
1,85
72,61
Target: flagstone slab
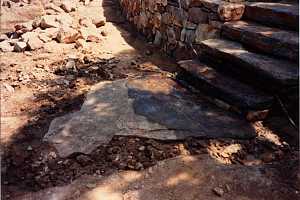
x,y
152,107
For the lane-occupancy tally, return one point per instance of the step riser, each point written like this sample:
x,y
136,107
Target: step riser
x,y
274,17
215,92
263,44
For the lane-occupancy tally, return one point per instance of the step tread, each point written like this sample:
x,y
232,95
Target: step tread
x,y
284,72
291,8
267,39
226,88
282,14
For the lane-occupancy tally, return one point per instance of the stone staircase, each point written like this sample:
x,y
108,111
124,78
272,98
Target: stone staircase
x,y
255,59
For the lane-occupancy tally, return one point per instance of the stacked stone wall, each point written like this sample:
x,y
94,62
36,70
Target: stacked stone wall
x,y
178,25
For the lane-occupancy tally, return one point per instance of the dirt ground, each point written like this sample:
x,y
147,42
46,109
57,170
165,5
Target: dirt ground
x,y
36,87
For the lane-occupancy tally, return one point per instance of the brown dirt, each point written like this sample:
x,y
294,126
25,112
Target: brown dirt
x,y
44,89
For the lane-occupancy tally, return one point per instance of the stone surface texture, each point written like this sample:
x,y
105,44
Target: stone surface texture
x,y
175,25
153,107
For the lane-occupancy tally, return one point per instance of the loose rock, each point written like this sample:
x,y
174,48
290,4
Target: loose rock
x,y
35,43
49,21
231,12
20,46
68,6
67,35
5,46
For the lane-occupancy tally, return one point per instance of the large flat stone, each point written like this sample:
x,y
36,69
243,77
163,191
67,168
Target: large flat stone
x,y
265,39
260,70
152,107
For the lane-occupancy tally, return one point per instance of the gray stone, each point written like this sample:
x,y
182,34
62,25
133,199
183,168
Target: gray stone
x,y
5,46
204,32
20,46
196,15
153,107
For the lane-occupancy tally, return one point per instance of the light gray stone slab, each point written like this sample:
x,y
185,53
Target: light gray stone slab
x,y
152,107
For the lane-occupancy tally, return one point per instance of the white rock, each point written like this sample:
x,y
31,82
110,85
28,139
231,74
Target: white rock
x,y
49,21
86,22
90,33
44,37
3,37
36,22
26,36
67,35
99,22
35,43
68,5
5,46
54,7
51,32
20,46
64,19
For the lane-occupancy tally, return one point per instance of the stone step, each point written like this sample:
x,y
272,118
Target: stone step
x,y
225,88
265,39
285,15
262,71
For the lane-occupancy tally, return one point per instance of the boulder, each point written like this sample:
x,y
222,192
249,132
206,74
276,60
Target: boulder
x,y
231,11
67,35
26,36
51,32
49,21
64,19
24,27
20,46
5,46
86,22
68,6
98,22
44,37
36,22
90,33
54,7
3,37
34,43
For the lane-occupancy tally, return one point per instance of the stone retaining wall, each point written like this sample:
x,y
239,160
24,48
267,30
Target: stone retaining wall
x,y
178,25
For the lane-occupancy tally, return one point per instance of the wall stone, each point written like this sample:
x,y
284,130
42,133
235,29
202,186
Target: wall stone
x,y
177,25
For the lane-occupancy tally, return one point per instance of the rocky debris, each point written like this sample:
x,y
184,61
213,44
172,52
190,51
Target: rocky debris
x,y
231,12
86,22
80,43
24,27
20,46
90,33
68,5
5,46
141,107
67,35
98,22
26,36
44,37
34,43
218,191
3,37
54,7
49,21
64,19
